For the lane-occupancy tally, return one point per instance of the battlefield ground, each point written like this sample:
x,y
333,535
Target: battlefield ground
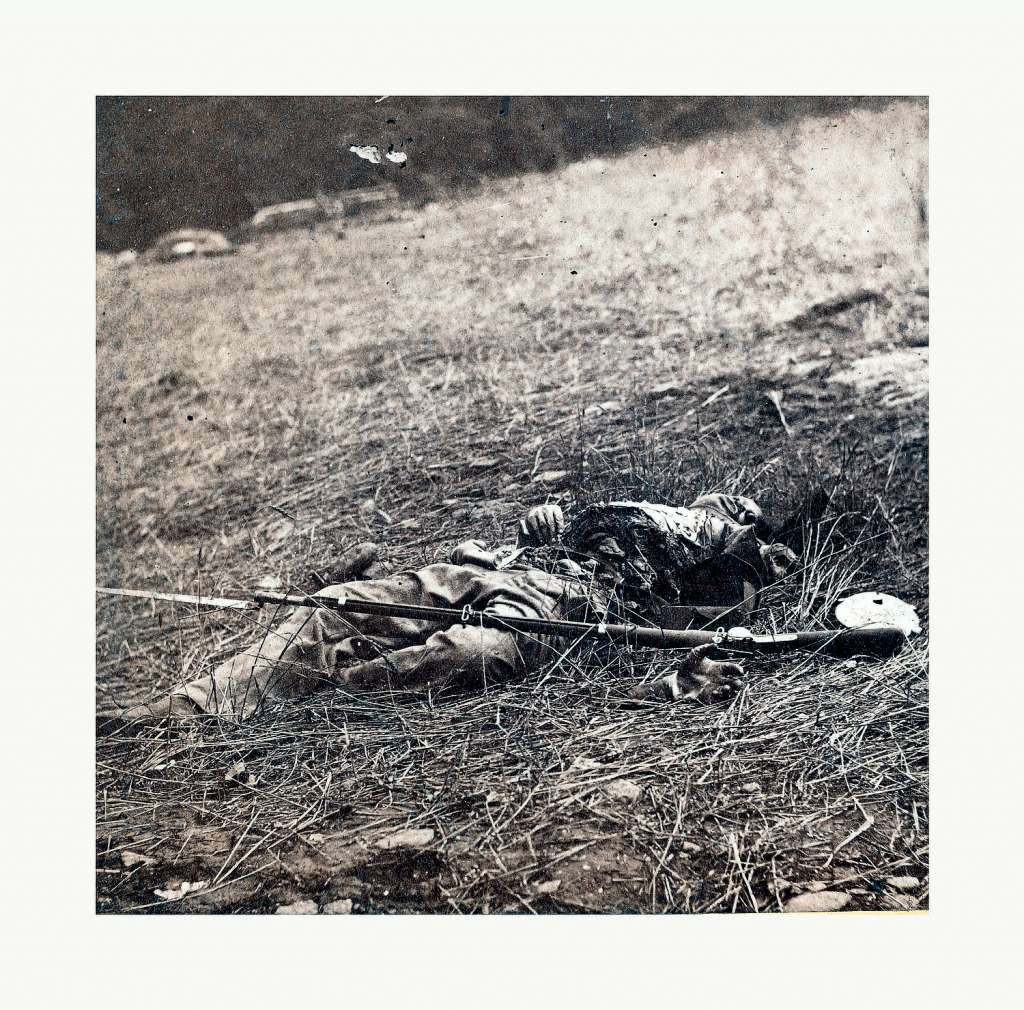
x,y
748,312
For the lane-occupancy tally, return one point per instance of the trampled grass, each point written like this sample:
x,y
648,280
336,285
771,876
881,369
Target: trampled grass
x,y
610,330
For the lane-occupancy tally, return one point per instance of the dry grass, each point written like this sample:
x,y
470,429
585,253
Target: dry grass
x,y
451,366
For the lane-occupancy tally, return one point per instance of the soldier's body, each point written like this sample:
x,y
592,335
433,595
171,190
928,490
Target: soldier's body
x,y
611,559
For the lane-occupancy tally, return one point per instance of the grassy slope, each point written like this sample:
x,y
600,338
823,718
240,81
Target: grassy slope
x,y
441,363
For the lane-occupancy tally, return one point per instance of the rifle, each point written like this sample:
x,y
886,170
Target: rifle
x,y
878,641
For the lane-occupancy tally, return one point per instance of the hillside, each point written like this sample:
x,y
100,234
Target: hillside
x,y
610,328
166,162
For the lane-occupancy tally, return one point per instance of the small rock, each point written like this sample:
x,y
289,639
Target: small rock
x,y
130,859
605,407
691,847
818,901
664,390
304,907
341,907
411,838
585,764
368,151
623,789
238,773
172,893
547,886
903,883
902,902
315,839
551,476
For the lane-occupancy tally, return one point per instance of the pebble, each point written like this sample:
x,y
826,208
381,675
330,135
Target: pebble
x,y
663,390
173,892
238,773
411,838
606,407
903,883
623,789
341,907
304,907
818,901
548,886
902,902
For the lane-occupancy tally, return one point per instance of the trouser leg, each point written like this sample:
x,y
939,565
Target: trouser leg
x,y
298,656
313,645
317,646
287,661
462,655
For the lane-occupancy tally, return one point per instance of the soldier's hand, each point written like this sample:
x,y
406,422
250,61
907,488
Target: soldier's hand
x,y
543,524
708,680
473,552
698,678
778,560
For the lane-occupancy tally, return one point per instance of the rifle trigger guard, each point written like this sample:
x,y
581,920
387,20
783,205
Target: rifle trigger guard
x,y
467,614
719,636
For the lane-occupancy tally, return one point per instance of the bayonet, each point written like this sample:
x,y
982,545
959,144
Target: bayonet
x,y
196,601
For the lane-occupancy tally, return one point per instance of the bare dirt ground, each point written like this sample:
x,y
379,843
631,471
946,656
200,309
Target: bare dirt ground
x,y
614,329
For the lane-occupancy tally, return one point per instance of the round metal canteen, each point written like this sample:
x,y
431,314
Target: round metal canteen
x,y
865,610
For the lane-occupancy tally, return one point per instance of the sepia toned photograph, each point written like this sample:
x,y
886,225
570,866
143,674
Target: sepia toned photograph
x,y
512,505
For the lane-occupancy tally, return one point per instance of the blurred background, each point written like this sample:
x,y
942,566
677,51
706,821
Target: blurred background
x,y
165,163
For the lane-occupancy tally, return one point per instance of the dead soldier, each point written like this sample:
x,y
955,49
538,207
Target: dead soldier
x,y
604,562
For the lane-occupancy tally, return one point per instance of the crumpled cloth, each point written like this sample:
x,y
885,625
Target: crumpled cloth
x,y
702,555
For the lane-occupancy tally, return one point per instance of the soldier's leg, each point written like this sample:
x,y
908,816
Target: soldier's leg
x,y
462,655
287,661
308,650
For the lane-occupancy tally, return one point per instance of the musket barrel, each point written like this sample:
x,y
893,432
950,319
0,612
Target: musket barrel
x,y
876,641
881,642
